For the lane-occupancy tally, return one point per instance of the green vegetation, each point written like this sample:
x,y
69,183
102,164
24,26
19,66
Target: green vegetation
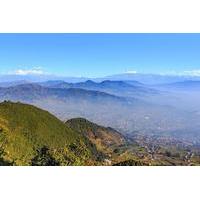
x,y
105,139
129,163
31,136
44,158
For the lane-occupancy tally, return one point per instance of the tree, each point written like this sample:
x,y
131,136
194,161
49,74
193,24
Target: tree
x,y
168,153
44,158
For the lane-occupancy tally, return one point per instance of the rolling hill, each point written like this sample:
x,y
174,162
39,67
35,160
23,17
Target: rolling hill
x,y
105,139
32,91
31,136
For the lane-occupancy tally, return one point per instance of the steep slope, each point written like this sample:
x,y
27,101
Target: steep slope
x,y
106,139
31,136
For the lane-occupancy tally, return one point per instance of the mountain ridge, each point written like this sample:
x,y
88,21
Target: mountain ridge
x,y
105,138
31,136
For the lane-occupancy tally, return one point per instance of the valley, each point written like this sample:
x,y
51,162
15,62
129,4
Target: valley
x,y
31,136
98,123
142,113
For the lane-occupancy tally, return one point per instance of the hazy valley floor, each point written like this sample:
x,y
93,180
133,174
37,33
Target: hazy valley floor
x,y
31,136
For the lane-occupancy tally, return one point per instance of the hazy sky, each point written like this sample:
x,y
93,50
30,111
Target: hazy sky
x,y
95,55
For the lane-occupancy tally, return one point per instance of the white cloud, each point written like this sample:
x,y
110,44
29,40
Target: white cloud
x,y
131,72
195,72
33,71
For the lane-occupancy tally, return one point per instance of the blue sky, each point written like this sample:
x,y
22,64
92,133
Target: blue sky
x,y
96,55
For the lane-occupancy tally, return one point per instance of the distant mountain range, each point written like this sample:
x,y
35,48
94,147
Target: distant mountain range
x,y
39,78
101,103
183,86
32,92
13,83
120,88
76,130
149,79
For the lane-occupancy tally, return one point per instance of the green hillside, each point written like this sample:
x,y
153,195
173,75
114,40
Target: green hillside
x,y
31,136
105,139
